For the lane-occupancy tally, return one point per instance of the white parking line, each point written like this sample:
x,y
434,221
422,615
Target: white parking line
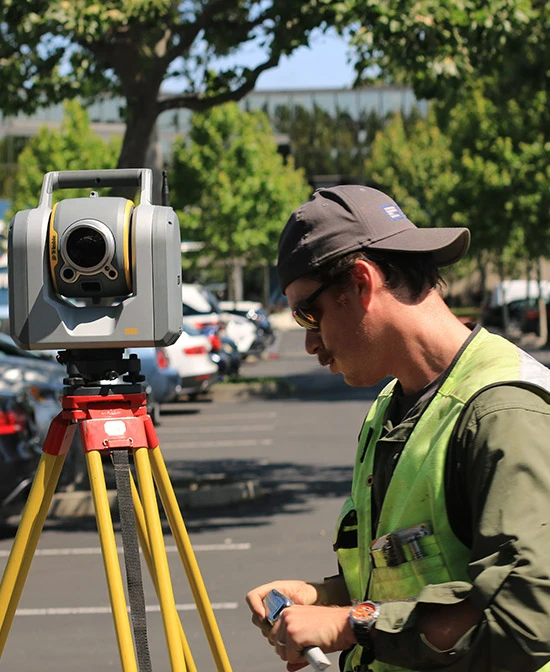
x,y
190,445
91,611
96,550
217,416
215,430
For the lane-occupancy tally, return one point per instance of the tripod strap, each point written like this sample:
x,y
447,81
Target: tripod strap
x,y
130,545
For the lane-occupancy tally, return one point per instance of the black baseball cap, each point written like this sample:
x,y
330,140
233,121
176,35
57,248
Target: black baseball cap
x,y
343,219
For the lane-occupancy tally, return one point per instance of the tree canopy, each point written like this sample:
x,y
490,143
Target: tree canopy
x,y
51,50
325,144
487,64
232,186
436,47
71,147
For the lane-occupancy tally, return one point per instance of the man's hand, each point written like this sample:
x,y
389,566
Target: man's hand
x,y
300,592
302,626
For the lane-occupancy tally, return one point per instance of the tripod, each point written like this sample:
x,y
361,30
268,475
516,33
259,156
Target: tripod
x,y
113,417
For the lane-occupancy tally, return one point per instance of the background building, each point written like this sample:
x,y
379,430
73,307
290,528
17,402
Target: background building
x,y
327,130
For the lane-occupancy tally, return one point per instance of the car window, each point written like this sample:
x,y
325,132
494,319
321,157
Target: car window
x,y
194,303
212,300
191,310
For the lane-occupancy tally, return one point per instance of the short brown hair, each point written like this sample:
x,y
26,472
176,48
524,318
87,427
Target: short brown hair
x,y
414,272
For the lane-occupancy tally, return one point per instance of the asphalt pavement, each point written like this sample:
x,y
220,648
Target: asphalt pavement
x,y
297,449
289,373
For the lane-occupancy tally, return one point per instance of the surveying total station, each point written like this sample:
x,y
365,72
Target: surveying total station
x,y
93,276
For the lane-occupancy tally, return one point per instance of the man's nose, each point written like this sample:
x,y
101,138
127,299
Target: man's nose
x,y
313,341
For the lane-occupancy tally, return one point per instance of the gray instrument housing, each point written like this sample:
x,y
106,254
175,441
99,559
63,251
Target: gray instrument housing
x,y
40,318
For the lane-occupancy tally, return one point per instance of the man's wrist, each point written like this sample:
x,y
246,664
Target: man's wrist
x,y
332,591
322,593
362,620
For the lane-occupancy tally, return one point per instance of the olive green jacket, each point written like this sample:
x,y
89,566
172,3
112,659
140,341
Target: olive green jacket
x,y
399,566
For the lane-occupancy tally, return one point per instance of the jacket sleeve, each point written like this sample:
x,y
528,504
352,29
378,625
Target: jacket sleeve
x,y
505,443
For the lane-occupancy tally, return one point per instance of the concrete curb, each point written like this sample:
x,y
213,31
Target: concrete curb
x,y
195,495
199,494
241,391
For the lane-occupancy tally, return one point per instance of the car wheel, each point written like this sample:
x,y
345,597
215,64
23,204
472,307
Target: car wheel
x,y
154,412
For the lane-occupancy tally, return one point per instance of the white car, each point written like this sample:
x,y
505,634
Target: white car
x,y
201,312
190,356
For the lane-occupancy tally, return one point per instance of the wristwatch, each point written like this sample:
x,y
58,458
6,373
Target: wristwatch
x,y
362,618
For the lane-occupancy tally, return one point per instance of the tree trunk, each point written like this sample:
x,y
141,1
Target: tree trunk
x,y
543,323
236,285
140,124
266,287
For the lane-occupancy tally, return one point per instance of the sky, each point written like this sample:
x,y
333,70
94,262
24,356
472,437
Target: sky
x,y
324,65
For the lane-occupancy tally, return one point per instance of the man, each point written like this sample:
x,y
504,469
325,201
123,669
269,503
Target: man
x,y
444,543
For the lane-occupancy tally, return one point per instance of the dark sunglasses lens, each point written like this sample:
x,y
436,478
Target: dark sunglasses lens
x,y
305,319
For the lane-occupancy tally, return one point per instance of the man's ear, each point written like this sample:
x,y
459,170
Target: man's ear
x,y
367,279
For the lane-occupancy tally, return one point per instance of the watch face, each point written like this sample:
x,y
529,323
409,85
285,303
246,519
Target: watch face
x,y
365,611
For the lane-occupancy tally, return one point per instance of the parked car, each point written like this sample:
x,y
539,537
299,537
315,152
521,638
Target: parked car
x,y
190,356
530,319
493,316
201,311
224,352
519,297
162,381
253,311
40,378
37,382
230,353
19,450
4,310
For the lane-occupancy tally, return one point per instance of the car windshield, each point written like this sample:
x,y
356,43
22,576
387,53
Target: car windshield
x,y
212,300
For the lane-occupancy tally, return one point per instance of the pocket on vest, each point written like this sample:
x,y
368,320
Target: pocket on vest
x,y
407,579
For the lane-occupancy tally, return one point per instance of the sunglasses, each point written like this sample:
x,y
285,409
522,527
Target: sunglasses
x,y
302,313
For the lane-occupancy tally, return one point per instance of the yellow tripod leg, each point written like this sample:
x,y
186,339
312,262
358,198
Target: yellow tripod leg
x,y
111,562
189,560
26,539
146,548
160,561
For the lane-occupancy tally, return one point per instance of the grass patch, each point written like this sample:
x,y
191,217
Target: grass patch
x,y
268,385
473,312
246,379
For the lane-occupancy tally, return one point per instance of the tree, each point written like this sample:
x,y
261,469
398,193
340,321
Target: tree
x,y
233,187
325,144
466,172
437,183
495,54
52,50
437,47
71,147
412,160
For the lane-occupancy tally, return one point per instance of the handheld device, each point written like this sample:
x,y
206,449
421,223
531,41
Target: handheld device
x,y
274,603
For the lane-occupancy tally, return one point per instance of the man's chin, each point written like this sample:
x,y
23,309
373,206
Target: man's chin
x,y
351,382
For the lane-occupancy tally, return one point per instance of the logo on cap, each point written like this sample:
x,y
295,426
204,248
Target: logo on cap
x,y
393,211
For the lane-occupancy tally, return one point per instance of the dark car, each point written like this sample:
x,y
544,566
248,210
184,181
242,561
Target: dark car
x,y
493,316
162,382
530,321
254,312
226,355
39,379
19,450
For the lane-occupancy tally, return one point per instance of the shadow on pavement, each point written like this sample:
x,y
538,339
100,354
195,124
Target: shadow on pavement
x,y
284,487
287,488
